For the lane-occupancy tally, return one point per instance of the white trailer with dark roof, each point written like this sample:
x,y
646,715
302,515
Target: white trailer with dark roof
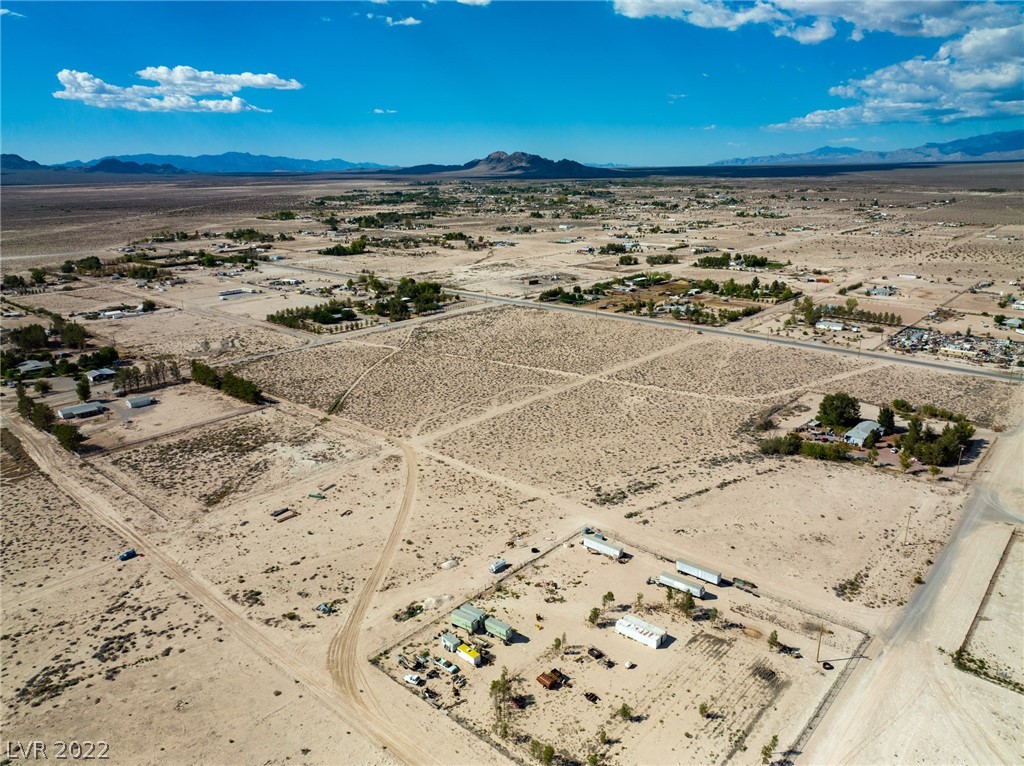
x,y
670,580
715,578
602,545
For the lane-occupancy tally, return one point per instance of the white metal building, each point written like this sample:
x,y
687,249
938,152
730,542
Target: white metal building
x,y
639,630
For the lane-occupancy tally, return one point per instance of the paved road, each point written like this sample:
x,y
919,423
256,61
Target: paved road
x,y
720,331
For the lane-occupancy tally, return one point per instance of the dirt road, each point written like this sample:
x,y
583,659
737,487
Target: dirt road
x,y
908,703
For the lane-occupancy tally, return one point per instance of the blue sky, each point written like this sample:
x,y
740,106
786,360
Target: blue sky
x,y
669,82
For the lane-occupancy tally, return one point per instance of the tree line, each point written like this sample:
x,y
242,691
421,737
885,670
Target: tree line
x,y
331,312
228,383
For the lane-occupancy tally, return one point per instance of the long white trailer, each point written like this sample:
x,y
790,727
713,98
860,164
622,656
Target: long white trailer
x,y
602,545
638,630
679,582
715,578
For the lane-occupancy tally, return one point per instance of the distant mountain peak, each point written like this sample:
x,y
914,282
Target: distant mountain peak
x,y
991,147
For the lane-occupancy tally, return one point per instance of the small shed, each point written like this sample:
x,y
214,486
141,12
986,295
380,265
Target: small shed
x,y
547,681
450,641
470,655
137,402
87,410
859,433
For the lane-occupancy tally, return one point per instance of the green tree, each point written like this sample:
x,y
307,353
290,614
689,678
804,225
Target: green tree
x,y
43,387
83,389
839,409
773,639
73,335
703,709
592,760
594,616
871,440
68,436
769,749
686,603
547,755
42,416
536,748
29,338
887,420
905,459
607,599
639,599
38,276
626,712
602,736
872,456
148,305
934,470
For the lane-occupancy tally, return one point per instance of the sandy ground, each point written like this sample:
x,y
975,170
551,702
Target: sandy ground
x,y
491,432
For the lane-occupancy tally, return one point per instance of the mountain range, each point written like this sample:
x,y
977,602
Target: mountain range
x,y
992,147
235,162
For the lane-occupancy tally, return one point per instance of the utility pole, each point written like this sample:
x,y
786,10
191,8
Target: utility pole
x,y
961,457
817,654
907,533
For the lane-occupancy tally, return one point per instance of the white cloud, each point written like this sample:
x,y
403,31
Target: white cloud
x,y
673,97
176,90
819,31
811,21
408,21
385,111
978,76
711,127
9,12
473,2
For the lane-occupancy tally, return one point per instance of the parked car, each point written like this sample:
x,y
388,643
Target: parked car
x,y
445,665
413,679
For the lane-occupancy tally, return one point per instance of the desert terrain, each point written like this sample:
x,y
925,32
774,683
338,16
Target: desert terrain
x,y
412,446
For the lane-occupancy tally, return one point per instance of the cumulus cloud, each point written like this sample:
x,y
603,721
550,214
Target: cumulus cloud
x,y
9,12
812,21
177,90
385,111
474,2
408,21
978,76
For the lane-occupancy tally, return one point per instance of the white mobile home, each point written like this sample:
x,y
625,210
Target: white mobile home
x,y
639,630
